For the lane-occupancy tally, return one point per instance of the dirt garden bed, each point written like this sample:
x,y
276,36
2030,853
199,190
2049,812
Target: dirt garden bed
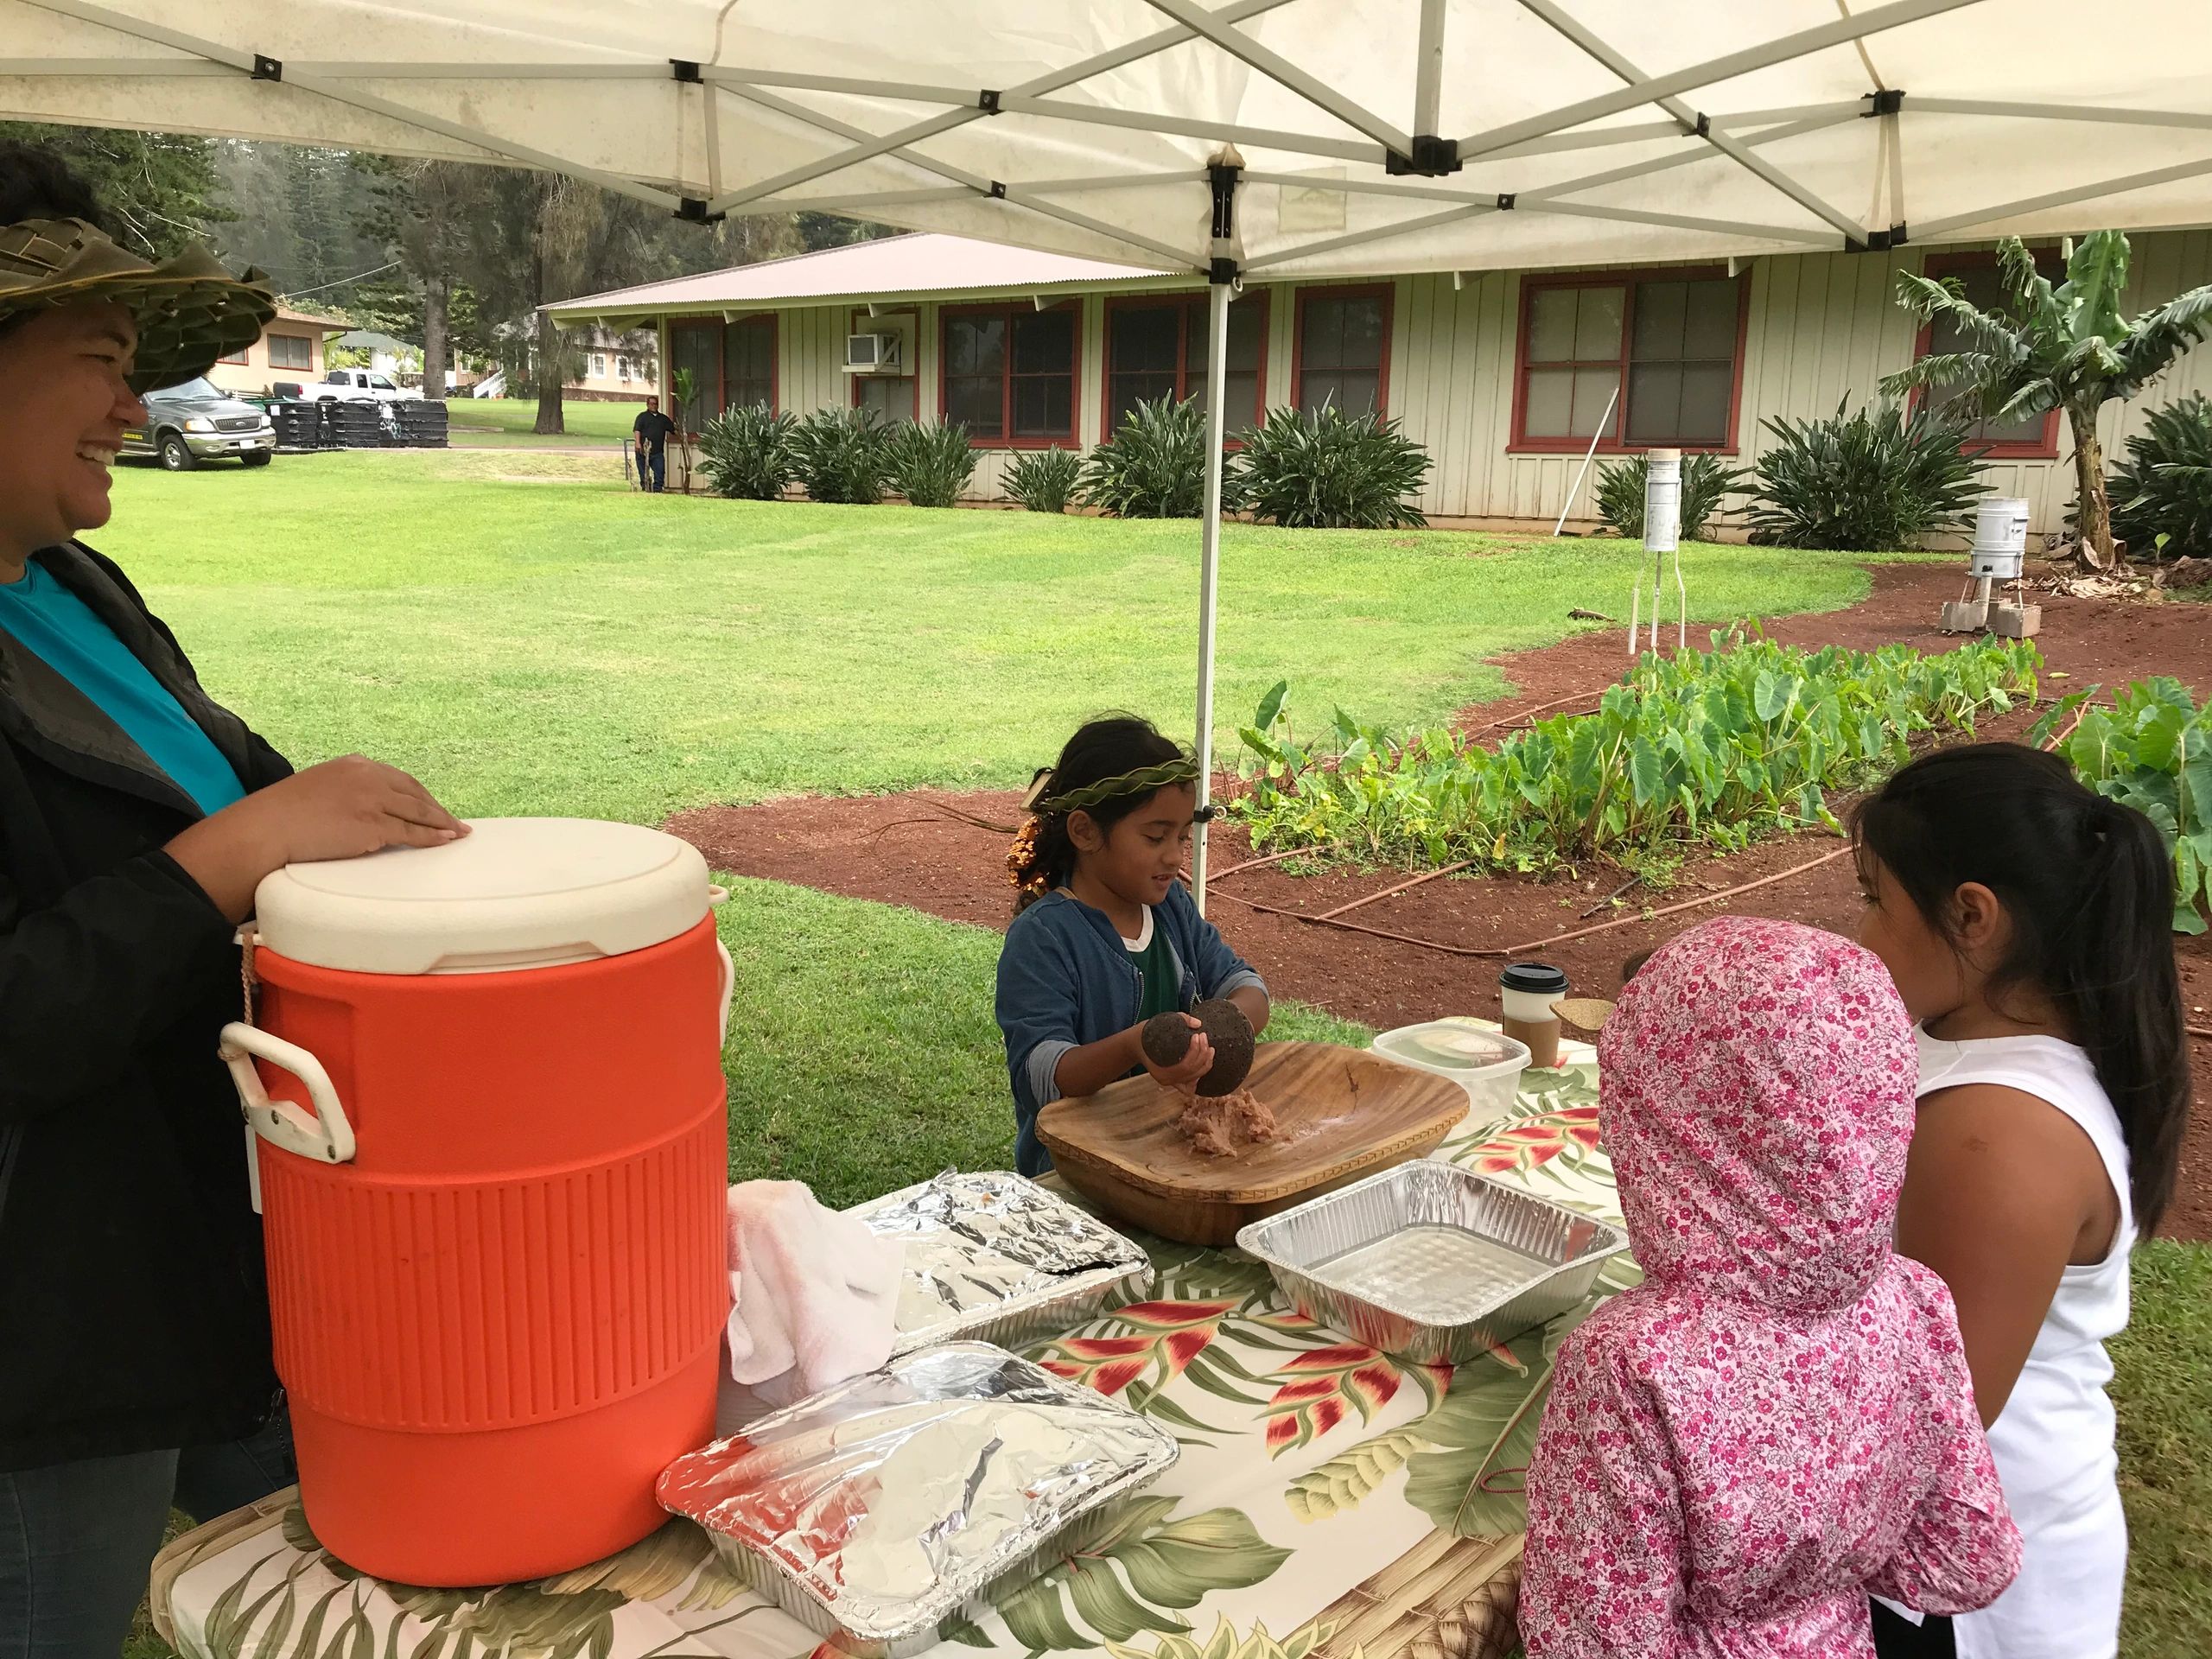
x,y
903,850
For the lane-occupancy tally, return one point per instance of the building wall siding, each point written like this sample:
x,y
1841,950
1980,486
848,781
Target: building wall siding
x,y
1819,328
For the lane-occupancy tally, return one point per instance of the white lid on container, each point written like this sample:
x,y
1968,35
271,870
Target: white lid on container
x,y
1455,1046
515,893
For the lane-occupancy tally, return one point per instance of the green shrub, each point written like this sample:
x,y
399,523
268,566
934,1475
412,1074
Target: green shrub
x,y
1865,483
929,465
1322,469
1155,464
1706,479
841,455
1719,747
2164,486
747,453
1044,480
2151,750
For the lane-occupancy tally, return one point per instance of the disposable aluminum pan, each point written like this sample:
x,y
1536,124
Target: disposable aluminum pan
x,y
1430,1262
991,1257
879,1510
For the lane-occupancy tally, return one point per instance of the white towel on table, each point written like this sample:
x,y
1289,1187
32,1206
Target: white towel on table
x,y
816,1293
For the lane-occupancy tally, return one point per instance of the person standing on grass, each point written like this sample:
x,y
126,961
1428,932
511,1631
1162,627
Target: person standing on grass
x,y
137,815
2028,923
650,432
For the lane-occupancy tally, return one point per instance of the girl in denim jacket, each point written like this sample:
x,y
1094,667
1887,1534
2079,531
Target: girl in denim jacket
x,y
1105,935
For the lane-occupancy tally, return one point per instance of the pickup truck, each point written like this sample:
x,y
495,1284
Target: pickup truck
x,y
196,422
357,386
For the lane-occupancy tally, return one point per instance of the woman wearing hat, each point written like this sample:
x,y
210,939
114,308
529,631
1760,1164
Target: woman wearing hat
x,y
137,815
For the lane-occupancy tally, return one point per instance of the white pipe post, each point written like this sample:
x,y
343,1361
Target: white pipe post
x,y
1662,517
1589,455
1217,295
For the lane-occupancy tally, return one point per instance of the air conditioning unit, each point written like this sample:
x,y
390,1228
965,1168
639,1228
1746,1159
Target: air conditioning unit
x,y
874,354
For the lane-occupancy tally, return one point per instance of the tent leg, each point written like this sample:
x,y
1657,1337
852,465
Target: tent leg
x,y
1209,563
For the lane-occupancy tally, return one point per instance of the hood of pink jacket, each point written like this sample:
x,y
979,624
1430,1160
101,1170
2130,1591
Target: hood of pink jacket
x,y
1758,1104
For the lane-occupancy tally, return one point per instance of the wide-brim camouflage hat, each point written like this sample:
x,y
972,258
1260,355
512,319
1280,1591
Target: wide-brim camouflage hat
x,y
189,309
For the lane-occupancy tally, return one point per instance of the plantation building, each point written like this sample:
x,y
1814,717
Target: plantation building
x,y
1503,376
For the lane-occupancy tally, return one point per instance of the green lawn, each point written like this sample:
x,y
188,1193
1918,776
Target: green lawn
x,y
529,636
532,637
511,420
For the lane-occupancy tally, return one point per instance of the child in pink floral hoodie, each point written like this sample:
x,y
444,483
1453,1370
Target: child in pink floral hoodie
x,y
1778,1421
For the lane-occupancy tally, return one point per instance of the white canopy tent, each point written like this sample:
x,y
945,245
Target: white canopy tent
x,y
1221,137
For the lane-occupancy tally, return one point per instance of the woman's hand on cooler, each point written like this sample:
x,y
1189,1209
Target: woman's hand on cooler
x,y
342,809
1197,1060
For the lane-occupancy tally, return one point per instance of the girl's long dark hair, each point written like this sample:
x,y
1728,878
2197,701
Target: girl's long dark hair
x,y
1044,856
2087,886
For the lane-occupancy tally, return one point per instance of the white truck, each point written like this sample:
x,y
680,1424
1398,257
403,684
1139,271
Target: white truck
x,y
357,386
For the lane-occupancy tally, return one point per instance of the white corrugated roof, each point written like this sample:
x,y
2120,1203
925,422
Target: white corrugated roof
x,y
928,263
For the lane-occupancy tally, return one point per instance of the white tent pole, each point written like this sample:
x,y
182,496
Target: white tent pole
x,y
1175,257
1782,50
1102,63
1666,163
1215,28
2061,112
1217,296
1733,148
2061,198
1379,233
1429,72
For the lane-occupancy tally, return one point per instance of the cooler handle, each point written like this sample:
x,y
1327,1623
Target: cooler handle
x,y
325,1135
717,896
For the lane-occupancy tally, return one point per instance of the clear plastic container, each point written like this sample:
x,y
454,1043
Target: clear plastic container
x,y
1481,1060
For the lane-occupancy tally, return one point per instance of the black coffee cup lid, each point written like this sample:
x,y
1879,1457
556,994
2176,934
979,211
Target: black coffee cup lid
x,y
1538,978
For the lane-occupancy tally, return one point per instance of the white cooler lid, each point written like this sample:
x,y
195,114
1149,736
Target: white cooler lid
x,y
515,893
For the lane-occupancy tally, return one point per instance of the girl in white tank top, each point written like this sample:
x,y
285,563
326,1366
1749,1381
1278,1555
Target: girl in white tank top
x,y
2028,924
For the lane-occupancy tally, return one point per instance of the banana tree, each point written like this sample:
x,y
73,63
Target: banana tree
x,y
685,384
2066,346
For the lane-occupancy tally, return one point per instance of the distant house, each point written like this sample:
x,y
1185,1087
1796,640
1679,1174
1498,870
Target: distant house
x,y
614,365
290,350
1505,376
386,354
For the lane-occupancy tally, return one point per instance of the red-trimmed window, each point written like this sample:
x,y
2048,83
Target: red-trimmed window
x,y
244,354
287,351
894,397
734,363
1665,349
1342,352
1010,374
1978,278
1156,347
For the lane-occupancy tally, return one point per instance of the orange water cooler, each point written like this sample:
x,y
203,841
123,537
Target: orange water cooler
x,y
486,1093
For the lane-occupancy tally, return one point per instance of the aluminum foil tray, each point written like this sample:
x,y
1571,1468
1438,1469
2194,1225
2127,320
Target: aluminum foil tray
x,y
995,1258
1430,1262
881,1509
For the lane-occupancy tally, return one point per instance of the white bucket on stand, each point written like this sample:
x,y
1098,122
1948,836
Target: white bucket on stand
x,y
1663,501
2000,539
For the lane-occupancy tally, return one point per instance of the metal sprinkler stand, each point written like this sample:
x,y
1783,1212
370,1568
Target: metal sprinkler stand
x,y
2000,540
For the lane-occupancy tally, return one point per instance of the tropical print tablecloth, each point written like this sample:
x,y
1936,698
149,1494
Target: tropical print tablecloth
x,y
1329,1499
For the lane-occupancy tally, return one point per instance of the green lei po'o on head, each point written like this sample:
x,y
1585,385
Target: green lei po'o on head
x,y
1184,769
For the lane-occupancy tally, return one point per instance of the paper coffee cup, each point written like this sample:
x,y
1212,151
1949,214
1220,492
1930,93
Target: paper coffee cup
x,y
1528,993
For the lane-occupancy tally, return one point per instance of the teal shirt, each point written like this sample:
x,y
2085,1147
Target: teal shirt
x,y
63,631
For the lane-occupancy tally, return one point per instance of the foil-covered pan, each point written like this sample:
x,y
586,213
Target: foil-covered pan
x,y
879,1509
1431,1262
991,1257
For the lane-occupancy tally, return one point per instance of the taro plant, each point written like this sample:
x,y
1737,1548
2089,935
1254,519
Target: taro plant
x,y
747,453
1866,483
1706,479
1717,747
839,454
2161,494
2064,347
1044,480
2151,750
1320,468
930,464
1154,465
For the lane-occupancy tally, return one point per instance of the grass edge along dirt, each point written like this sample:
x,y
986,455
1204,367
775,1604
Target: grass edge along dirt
x,y
1718,747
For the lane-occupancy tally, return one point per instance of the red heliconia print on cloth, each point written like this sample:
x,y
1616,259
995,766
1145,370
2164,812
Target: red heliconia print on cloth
x,y
1779,1421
